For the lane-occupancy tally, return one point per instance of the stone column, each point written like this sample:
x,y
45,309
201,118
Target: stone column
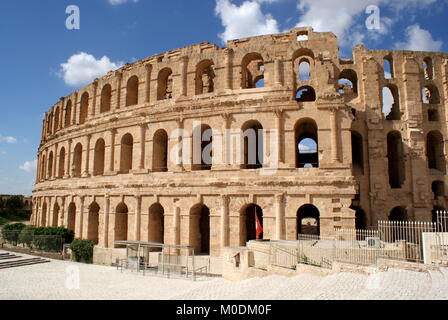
x,y
225,221
68,171
113,132
119,76
277,72
180,127
183,70
279,217
95,87
176,224
143,127
86,168
279,128
334,135
81,218
148,82
55,162
138,210
106,221
228,61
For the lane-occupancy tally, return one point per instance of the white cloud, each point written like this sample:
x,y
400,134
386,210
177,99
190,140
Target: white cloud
x,y
245,20
9,140
2,152
29,166
118,2
82,68
418,39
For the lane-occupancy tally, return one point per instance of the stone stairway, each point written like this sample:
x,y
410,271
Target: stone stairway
x,y
8,260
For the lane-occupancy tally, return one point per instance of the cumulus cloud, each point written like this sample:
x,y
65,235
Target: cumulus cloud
x,y
9,140
118,2
82,68
29,166
418,39
245,20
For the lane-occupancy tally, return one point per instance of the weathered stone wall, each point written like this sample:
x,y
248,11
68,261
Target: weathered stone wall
x,y
106,189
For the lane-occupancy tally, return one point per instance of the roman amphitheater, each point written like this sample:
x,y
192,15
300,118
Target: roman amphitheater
x,y
121,158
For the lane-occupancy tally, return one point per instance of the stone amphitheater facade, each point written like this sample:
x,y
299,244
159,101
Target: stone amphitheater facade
x,y
110,166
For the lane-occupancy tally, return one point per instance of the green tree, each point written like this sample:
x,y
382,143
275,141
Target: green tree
x,y
14,203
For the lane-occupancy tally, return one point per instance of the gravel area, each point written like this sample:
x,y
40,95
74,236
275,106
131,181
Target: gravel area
x,y
58,280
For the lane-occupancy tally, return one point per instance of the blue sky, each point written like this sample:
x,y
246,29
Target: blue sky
x,y
35,43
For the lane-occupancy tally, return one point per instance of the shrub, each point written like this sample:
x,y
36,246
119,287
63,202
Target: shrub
x,y
66,234
26,235
11,232
82,250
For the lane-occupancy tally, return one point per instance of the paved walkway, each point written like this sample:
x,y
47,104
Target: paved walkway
x,y
67,280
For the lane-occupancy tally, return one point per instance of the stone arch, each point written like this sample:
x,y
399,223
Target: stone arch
x,y
126,153
99,157
71,216
50,165
398,214
205,75
357,153
55,218
305,94
84,108
391,102
202,147
438,188
396,161
388,67
77,160
304,69
428,68
132,91
93,222
308,220
252,70
360,218
200,228
43,216
61,169
156,223
160,151
68,114
249,215
430,94
350,78
121,223
306,132
57,115
435,151
165,84
252,142
106,97
43,173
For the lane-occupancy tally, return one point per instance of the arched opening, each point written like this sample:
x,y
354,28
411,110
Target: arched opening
x,y
306,144
56,119
50,165
93,222
202,147
71,216
253,223
165,84
106,96
121,224
304,70
43,216
428,69
99,158
398,214
252,70
132,91
348,82
68,114
430,95
395,156
127,146
160,151
205,75
84,108
438,188
308,220
200,228
56,209
156,224
43,174
360,218
388,67
252,145
77,161
61,170
391,103
305,94
357,154
435,151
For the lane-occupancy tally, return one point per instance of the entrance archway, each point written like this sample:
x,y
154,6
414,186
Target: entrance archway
x,y
93,222
252,212
308,220
200,228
